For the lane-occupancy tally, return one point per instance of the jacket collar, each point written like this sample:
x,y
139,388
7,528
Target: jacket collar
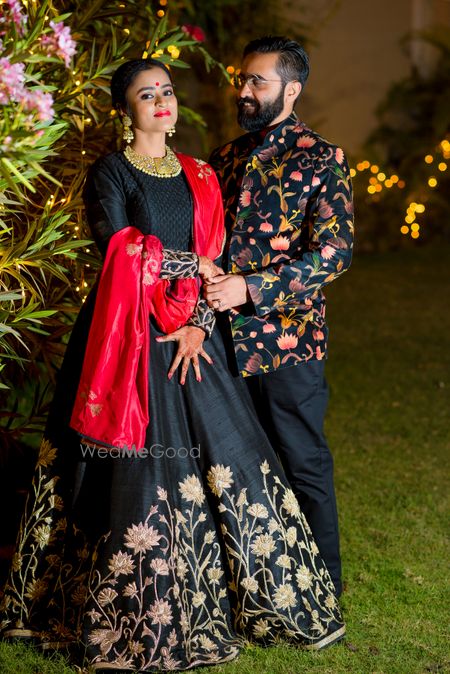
x,y
277,140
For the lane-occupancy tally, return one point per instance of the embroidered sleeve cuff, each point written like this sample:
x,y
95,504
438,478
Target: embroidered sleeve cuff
x,y
177,264
203,317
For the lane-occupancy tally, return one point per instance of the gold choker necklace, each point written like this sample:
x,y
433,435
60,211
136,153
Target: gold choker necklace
x,y
161,167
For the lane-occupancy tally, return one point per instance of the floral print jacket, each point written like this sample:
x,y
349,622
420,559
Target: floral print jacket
x,y
289,219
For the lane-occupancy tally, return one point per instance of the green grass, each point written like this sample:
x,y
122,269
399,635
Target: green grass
x,y
388,426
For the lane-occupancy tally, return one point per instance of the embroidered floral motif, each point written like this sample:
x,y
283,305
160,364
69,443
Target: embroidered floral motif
x,y
159,597
289,215
95,408
133,248
205,169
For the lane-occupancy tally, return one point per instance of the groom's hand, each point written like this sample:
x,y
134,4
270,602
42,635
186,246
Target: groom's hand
x,y
226,292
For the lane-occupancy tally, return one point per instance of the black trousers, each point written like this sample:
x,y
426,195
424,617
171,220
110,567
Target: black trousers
x,y
291,405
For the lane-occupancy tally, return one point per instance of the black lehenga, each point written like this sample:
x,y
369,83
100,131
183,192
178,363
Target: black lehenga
x,y
175,559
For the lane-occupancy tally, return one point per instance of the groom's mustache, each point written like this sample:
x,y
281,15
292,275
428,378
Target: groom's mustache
x,y
241,102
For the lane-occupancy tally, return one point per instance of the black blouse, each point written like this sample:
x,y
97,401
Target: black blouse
x,y
118,195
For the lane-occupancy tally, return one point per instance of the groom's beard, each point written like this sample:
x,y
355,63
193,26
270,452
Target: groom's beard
x,y
257,116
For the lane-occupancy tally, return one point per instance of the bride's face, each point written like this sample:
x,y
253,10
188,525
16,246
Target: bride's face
x,y
152,101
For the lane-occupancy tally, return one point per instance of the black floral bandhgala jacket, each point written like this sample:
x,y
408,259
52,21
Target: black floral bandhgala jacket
x,y
289,218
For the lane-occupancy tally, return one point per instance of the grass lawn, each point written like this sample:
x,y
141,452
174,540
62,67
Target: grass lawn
x,y
388,425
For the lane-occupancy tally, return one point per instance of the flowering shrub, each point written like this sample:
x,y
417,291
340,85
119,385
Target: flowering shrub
x,y
55,119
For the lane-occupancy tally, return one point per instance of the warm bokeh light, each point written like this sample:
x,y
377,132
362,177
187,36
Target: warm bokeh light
x,y
404,229
381,176
409,219
374,168
401,184
415,235
429,158
432,182
442,166
420,208
352,170
371,189
415,227
230,69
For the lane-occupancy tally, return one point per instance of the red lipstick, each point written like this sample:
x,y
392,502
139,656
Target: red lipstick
x,y
163,113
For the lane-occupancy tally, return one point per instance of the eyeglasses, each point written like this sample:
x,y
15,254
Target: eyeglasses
x,y
253,81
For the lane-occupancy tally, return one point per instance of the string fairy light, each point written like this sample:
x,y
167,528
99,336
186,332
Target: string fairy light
x,y
379,180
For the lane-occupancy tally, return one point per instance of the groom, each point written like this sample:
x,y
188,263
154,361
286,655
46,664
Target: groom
x,y
289,219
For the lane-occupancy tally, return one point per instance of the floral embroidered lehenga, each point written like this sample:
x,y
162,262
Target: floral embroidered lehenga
x,y
176,558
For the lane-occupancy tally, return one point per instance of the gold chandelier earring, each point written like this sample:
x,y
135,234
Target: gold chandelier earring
x,y
171,131
128,134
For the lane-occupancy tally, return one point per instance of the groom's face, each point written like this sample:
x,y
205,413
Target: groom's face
x,y
261,98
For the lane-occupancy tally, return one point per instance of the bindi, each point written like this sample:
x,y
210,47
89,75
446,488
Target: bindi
x,y
157,84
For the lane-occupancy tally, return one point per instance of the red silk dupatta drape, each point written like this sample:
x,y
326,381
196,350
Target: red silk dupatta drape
x,y
111,405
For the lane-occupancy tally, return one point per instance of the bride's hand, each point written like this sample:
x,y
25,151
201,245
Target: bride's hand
x,y
207,269
190,347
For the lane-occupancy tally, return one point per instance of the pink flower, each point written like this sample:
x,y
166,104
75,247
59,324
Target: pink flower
x,y
315,181
244,257
279,243
266,227
245,198
253,364
252,241
318,335
306,141
253,334
328,252
268,328
348,206
19,19
287,341
325,210
259,345
195,32
296,286
12,80
296,175
42,103
319,354
60,43
339,155
302,205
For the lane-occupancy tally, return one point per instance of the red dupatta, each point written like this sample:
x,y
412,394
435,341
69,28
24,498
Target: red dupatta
x,y
111,405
